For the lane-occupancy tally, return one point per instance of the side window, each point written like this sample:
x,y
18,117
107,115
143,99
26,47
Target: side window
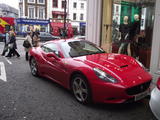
x,y
51,47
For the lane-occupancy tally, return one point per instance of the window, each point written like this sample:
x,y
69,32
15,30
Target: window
x,y
20,0
41,13
31,1
74,16
41,1
55,3
79,48
63,4
51,47
82,5
81,17
74,5
31,12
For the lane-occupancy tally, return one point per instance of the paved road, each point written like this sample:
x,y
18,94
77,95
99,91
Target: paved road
x,y
24,97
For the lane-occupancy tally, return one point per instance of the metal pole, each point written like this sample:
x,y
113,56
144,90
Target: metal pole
x,y
64,31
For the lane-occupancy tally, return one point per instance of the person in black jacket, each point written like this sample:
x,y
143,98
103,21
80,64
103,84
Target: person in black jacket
x,y
12,46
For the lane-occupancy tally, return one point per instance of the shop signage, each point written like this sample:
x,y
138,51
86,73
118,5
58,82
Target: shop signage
x,y
32,21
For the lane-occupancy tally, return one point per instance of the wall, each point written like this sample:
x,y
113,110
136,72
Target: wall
x,y
93,26
155,54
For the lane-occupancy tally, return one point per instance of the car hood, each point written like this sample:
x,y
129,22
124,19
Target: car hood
x,y
124,68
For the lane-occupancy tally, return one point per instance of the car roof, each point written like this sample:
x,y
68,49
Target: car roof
x,y
58,41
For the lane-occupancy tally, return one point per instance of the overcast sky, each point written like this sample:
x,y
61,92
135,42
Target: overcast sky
x,y
13,3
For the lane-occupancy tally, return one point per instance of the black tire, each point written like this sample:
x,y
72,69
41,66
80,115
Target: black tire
x,y
81,89
33,67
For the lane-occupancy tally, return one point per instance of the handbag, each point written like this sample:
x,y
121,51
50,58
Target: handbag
x,y
26,44
10,45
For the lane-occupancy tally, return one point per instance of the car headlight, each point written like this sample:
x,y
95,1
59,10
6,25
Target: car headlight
x,y
142,65
104,76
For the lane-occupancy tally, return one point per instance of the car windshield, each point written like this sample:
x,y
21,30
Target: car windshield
x,y
80,48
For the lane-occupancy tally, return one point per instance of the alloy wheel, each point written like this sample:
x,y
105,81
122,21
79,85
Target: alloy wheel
x,y
33,66
80,89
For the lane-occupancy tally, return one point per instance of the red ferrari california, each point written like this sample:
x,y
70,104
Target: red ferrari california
x,y
90,73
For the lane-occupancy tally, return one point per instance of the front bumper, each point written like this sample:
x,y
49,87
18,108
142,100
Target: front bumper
x,y
114,93
155,102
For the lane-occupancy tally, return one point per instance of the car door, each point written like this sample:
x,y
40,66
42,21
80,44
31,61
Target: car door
x,y
54,67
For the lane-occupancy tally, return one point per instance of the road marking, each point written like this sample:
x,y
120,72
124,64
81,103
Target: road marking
x,y
9,62
3,72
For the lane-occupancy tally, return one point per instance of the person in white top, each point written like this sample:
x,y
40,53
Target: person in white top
x,y
28,45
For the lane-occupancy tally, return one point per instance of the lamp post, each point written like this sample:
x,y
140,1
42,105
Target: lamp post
x,y
64,31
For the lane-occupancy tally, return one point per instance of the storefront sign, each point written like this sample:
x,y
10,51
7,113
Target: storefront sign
x,y
82,24
32,21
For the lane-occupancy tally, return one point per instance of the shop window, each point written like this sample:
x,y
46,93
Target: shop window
x,y
55,3
132,28
74,16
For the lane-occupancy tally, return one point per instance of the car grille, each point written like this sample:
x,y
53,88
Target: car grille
x,y
138,89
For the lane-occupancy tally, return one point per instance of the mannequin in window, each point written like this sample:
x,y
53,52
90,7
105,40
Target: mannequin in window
x,y
124,33
134,33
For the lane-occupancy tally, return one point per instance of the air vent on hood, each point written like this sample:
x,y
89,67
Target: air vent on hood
x,y
123,66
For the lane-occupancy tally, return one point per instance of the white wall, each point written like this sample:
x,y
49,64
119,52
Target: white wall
x,y
155,54
93,27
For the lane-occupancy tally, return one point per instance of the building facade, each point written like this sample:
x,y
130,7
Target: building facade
x,y
76,13
103,28
8,11
32,15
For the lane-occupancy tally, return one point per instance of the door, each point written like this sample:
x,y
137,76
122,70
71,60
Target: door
x,y
54,67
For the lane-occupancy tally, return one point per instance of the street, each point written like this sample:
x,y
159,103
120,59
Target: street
x,y
25,97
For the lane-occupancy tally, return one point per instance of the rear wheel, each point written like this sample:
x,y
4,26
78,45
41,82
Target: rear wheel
x,y
34,67
81,89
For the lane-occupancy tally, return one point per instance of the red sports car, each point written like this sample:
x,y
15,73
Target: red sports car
x,y
89,72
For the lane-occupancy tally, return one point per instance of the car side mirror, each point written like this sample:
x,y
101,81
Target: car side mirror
x,y
52,55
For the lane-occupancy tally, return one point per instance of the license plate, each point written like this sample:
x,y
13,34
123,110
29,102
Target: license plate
x,y
141,95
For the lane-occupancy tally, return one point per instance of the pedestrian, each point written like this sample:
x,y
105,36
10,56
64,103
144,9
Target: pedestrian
x,y
27,44
6,42
35,39
12,46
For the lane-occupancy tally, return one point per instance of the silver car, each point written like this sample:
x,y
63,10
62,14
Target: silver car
x,y
155,100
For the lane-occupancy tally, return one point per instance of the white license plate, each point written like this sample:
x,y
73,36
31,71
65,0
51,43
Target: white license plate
x,y
141,95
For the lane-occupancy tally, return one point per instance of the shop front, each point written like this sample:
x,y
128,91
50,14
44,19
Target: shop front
x,y
24,25
127,27
82,28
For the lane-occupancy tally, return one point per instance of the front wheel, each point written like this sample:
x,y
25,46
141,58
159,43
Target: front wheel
x,y
34,67
81,89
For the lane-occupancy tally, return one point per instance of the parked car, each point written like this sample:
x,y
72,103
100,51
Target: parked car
x,y
44,36
155,100
89,72
2,37
80,37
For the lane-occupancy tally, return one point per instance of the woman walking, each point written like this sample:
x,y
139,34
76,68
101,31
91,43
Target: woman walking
x,y
27,44
12,46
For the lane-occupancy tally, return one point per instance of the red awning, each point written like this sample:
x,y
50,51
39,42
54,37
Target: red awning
x,y
57,12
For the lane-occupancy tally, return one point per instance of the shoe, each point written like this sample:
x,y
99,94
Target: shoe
x,y
8,56
18,56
